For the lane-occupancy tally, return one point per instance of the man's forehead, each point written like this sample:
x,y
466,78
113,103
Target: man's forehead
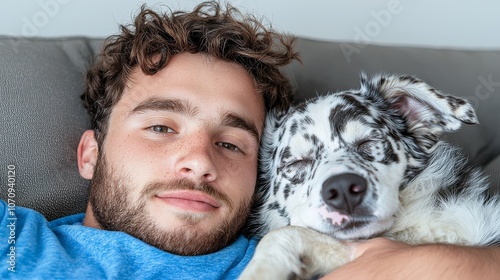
x,y
237,92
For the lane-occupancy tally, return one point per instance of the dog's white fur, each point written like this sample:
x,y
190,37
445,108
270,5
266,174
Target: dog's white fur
x,y
420,189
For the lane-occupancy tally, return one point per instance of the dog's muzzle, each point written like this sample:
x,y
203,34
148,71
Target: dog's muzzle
x,y
344,192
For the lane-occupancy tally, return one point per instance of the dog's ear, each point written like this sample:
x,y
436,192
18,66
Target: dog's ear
x,y
427,111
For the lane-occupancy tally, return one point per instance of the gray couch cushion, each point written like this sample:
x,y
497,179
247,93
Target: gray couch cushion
x,y
42,120
493,170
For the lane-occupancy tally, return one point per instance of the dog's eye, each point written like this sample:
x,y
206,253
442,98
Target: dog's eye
x,y
295,171
365,148
365,144
300,162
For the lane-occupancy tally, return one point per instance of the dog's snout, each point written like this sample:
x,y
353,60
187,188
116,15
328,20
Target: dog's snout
x,y
344,192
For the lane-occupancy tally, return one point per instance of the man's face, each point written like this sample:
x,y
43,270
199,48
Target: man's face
x,y
178,166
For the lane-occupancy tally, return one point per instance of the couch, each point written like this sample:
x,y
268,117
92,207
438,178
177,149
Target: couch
x,y
42,118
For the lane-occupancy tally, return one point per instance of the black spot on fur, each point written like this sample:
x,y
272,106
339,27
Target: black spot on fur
x,y
316,141
410,173
307,136
342,114
285,154
454,102
410,79
296,173
283,213
309,189
294,127
281,134
390,156
273,206
382,81
286,191
276,188
440,122
470,115
273,154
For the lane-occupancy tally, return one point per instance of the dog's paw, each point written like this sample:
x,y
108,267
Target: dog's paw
x,y
266,270
295,253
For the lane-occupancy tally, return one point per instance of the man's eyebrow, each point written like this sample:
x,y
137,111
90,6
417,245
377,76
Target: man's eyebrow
x,y
234,120
164,104
185,108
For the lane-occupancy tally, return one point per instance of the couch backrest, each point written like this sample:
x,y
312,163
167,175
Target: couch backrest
x,y
42,121
42,116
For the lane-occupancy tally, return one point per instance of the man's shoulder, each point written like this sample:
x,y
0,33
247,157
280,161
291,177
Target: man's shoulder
x,y
66,248
10,212
76,219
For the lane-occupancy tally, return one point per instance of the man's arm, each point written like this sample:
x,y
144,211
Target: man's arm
x,y
381,258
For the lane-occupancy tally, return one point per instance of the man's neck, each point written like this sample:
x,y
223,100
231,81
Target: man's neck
x,y
89,219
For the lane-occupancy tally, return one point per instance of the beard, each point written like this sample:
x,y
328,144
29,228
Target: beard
x,y
113,210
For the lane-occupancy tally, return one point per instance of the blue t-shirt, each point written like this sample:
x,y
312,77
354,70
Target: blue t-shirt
x,y
33,248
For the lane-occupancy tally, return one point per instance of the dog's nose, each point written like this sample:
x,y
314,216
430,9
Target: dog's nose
x,y
344,192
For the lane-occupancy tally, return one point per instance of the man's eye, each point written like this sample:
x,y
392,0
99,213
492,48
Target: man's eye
x,y
228,146
161,129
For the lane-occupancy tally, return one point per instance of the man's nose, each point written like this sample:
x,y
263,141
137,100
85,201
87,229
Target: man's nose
x,y
196,160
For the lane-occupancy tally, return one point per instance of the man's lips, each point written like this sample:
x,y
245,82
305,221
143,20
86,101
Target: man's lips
x,y
190,200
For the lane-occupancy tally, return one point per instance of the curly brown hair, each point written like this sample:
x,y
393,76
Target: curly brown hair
x,y
154,38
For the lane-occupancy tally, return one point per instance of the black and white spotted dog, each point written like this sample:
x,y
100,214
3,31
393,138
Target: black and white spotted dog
x,y
364,163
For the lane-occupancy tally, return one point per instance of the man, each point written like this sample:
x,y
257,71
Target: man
x,y
177,104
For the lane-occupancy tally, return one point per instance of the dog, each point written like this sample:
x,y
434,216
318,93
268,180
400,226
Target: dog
x,y
364,163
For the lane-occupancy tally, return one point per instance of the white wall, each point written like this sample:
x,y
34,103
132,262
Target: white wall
x,y
443,23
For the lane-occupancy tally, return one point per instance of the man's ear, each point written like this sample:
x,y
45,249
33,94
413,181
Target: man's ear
x,y
87,153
